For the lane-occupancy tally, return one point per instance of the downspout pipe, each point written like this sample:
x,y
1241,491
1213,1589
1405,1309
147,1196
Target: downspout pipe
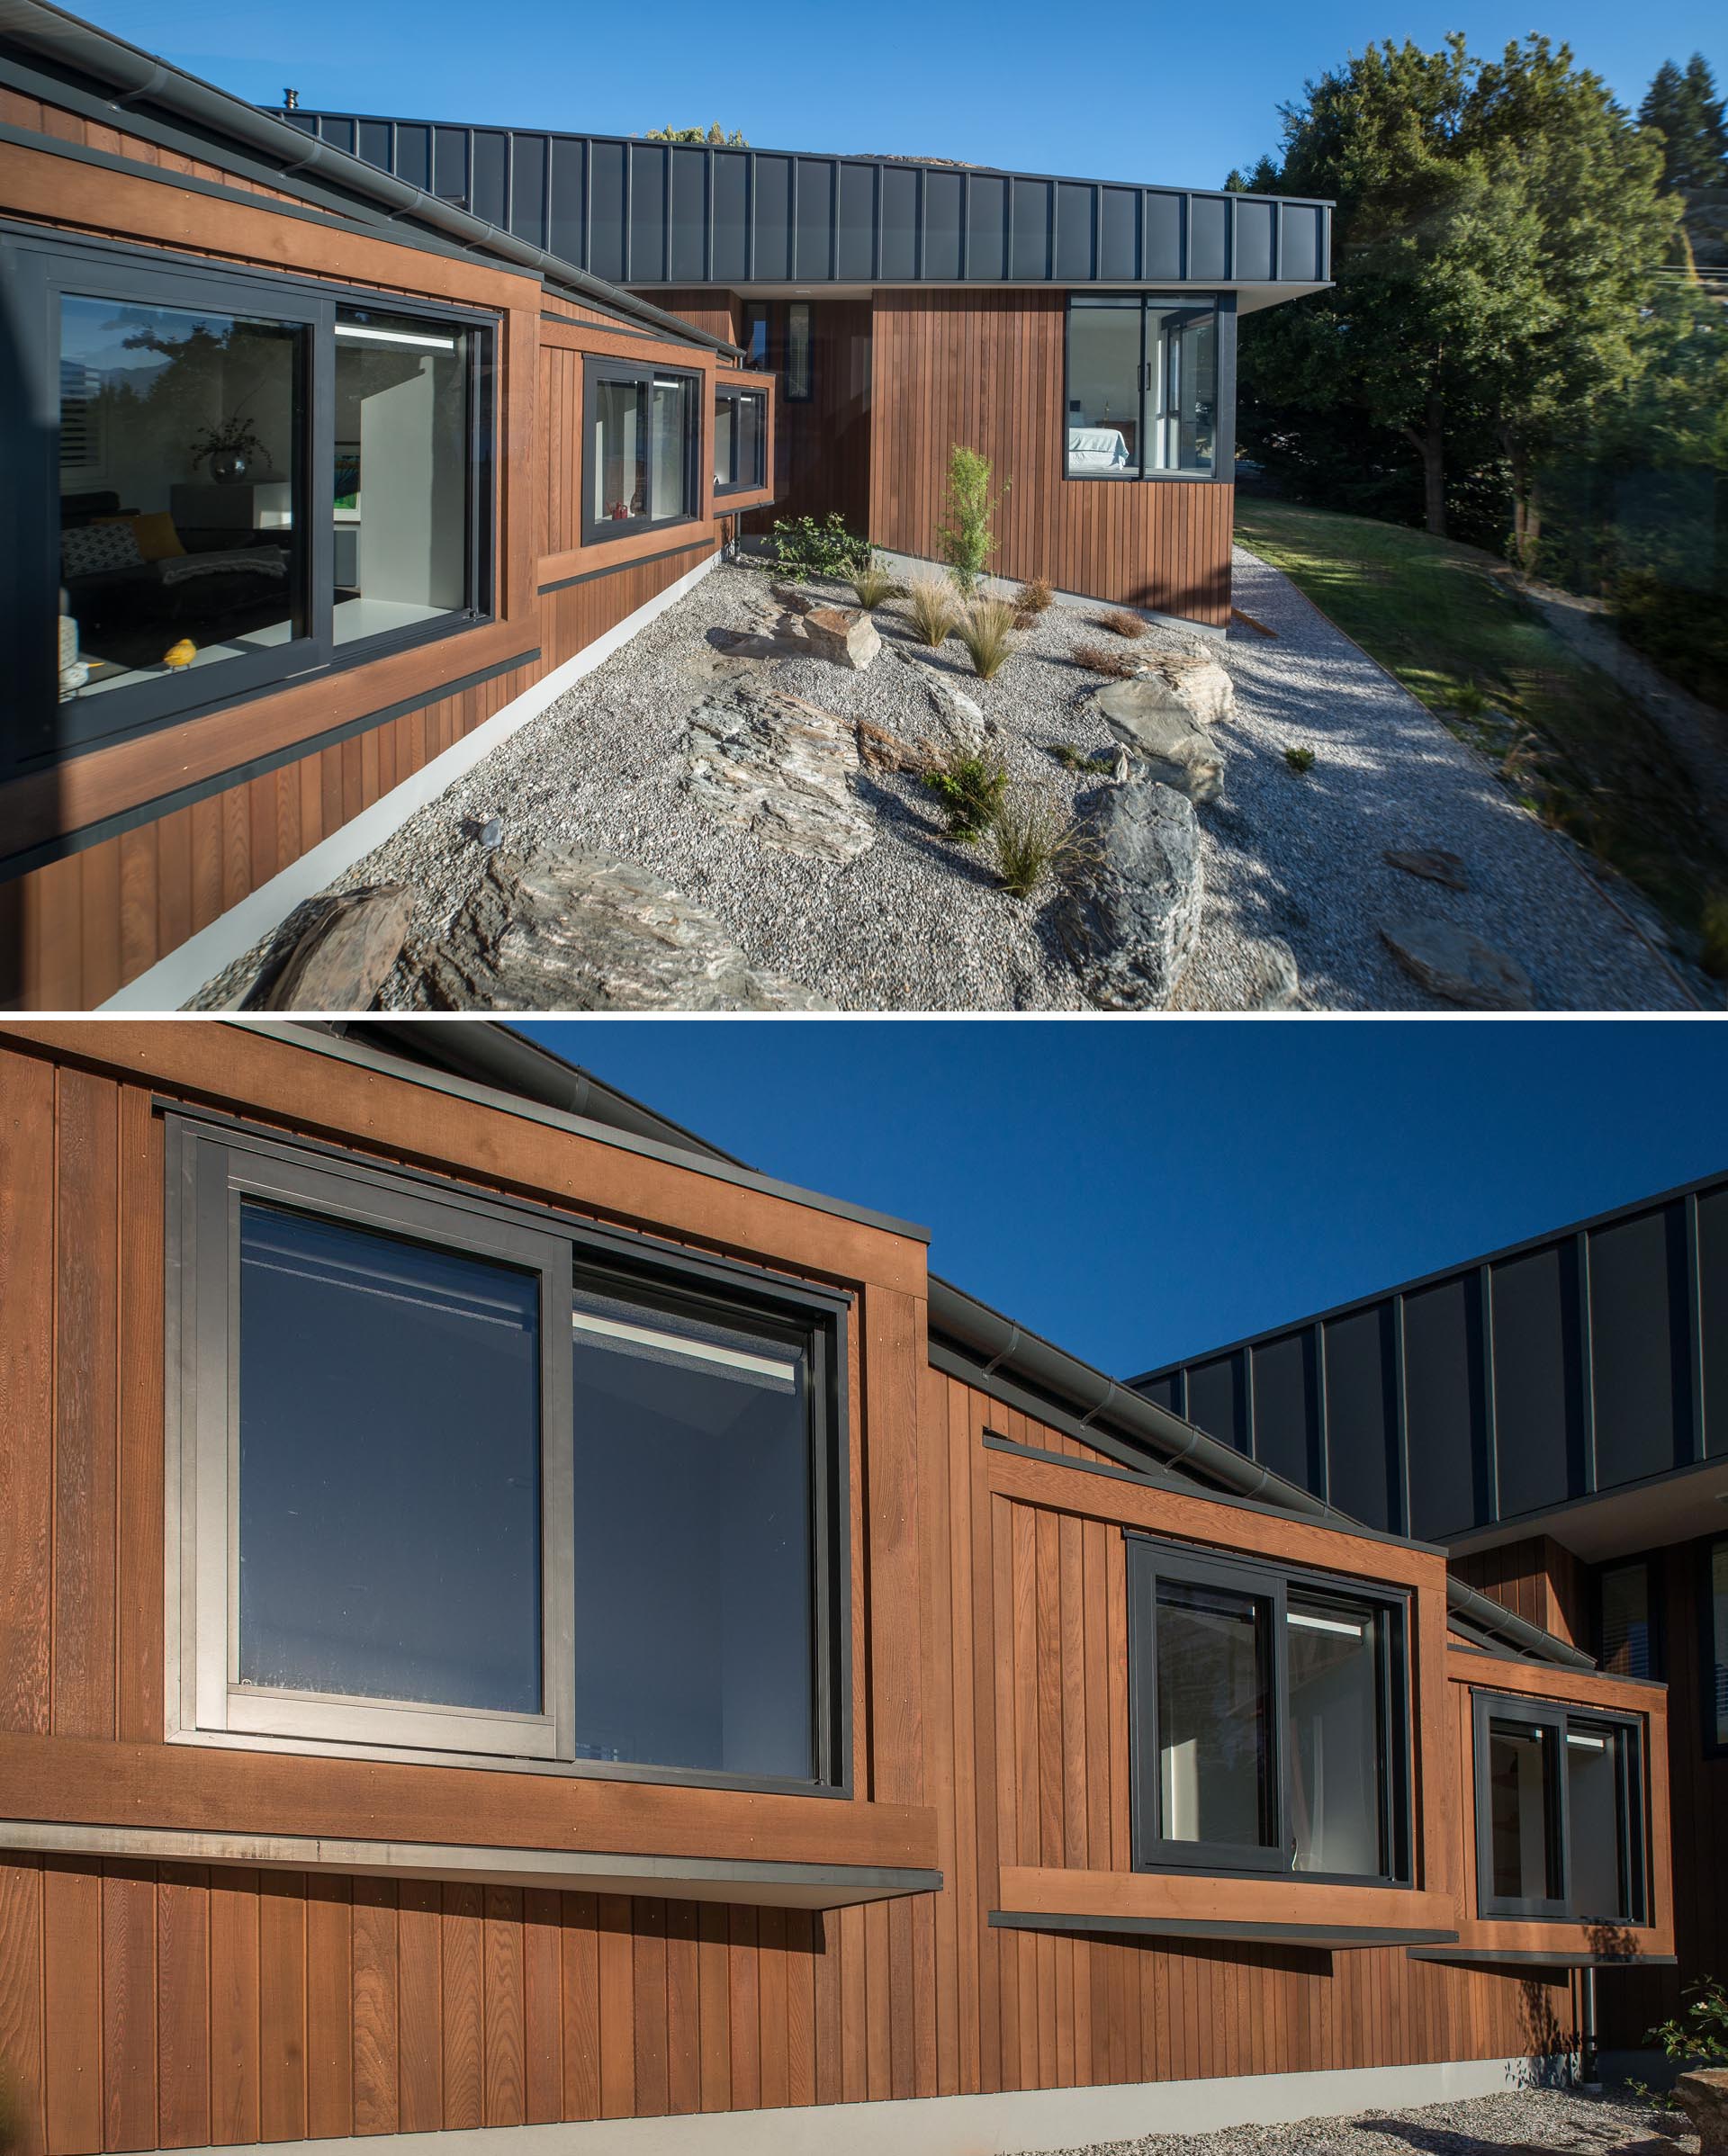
x,y
136,76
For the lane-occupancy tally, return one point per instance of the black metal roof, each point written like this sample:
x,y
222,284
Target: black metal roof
x,y
657,213
1588,1361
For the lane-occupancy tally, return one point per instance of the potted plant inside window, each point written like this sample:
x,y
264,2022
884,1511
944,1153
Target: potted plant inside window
x,y
232,450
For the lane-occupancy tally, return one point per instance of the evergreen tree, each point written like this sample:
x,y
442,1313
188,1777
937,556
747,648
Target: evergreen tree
x,y
1682,106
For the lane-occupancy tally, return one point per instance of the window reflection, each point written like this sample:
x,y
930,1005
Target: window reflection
x,y
1213,1686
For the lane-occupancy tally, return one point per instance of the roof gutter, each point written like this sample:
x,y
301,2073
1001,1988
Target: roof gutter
x,y
139,77
1494,1617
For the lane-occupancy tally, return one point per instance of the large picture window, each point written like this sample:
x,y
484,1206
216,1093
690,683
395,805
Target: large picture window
x,y
642,431
1147,389
242,479
740,439
1559,1813
1269,1728
460,1480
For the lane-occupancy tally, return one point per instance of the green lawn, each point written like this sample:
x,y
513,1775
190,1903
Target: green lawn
x,y
1567,739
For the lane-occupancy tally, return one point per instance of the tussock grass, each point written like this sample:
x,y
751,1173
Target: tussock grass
x,y
933,609
872,584
1037,595
1105,658
1029,838
986,629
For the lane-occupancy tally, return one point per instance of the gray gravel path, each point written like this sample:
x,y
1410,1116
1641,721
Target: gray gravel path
x,y
918,923
1526,2120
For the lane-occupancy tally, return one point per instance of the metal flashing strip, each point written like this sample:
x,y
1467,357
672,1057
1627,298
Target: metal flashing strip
x,y
682,1878
1264,1935
1495,1957
613,569
347,1049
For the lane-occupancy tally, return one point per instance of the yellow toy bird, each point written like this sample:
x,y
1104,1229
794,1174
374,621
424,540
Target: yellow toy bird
x,y
180,654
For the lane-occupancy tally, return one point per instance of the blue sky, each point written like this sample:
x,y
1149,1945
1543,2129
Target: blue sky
x,y
1175,93
1142,1191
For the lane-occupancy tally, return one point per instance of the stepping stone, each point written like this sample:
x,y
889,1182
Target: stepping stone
x,y
1432,862
1454,963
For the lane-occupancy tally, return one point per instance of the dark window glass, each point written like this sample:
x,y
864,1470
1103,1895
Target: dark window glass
x,y
671,414
1213,1695
182,510
389,1469
798,387
620,450
738,432
1185,384
1717,1729
402,472
1524,1842
725,448
1104,389
695,1624
756,335
1339,1750
1595,1825
1628,1643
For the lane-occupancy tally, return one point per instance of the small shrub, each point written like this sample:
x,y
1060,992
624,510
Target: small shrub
x,y
872,584
1713,927
1699,2036
1300,759
971,788
1101,659
966,541
986,629
1030,837
1036,595
806,548
1469,702
1074,759
1121,623
930,602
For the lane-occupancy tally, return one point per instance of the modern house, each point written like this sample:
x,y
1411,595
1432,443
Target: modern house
x,y
1555,1416
514,1624
335,449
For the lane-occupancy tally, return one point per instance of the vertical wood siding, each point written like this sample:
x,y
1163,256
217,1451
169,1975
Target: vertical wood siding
x,y
984,369
157,2005
1541,1580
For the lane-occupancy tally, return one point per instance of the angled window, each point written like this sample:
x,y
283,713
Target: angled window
x,y
1560,1831
1146,387
1626,1620
1270,1729
459,1479
644,429
230,480
740,439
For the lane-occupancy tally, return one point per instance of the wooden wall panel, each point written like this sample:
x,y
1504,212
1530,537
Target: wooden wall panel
x,y
157,2005
984,369
1540,1580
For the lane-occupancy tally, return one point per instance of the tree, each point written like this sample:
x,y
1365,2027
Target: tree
x,y
716,135
1682,106
1495,228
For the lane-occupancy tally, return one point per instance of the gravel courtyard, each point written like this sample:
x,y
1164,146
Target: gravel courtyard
x,y
1525,2121
917,922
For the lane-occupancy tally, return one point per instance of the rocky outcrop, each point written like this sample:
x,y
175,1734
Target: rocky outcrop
x,y
782,767
1193,681
590,931
1703,2096
1129,917
1163,734
1452,962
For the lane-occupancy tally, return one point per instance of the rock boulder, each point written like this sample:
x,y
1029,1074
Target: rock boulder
x,y
1703,2096
1130,919
1155,727
842,635
1454,963
590,931
781,767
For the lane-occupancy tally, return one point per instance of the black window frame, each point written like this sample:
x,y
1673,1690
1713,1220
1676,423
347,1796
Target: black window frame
x,y
1150,1560
214,1165
596,530
1649,1561
35,269
1556,1717
1223,304
736,392
1712,1745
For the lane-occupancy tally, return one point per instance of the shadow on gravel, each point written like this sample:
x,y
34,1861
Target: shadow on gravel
x,y
1609,2139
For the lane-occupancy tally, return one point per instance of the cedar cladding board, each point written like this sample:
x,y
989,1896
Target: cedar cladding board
x,y
147,2004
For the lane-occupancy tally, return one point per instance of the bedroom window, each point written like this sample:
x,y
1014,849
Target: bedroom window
x,y
1559,1813
740,439
461,1479
1270,1729
1145,389
232,479
644,430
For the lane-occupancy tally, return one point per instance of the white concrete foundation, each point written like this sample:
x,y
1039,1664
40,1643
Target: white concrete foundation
x,y
977,2125
167,985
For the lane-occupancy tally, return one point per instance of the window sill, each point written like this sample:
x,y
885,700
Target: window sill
x,y
1188,1905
